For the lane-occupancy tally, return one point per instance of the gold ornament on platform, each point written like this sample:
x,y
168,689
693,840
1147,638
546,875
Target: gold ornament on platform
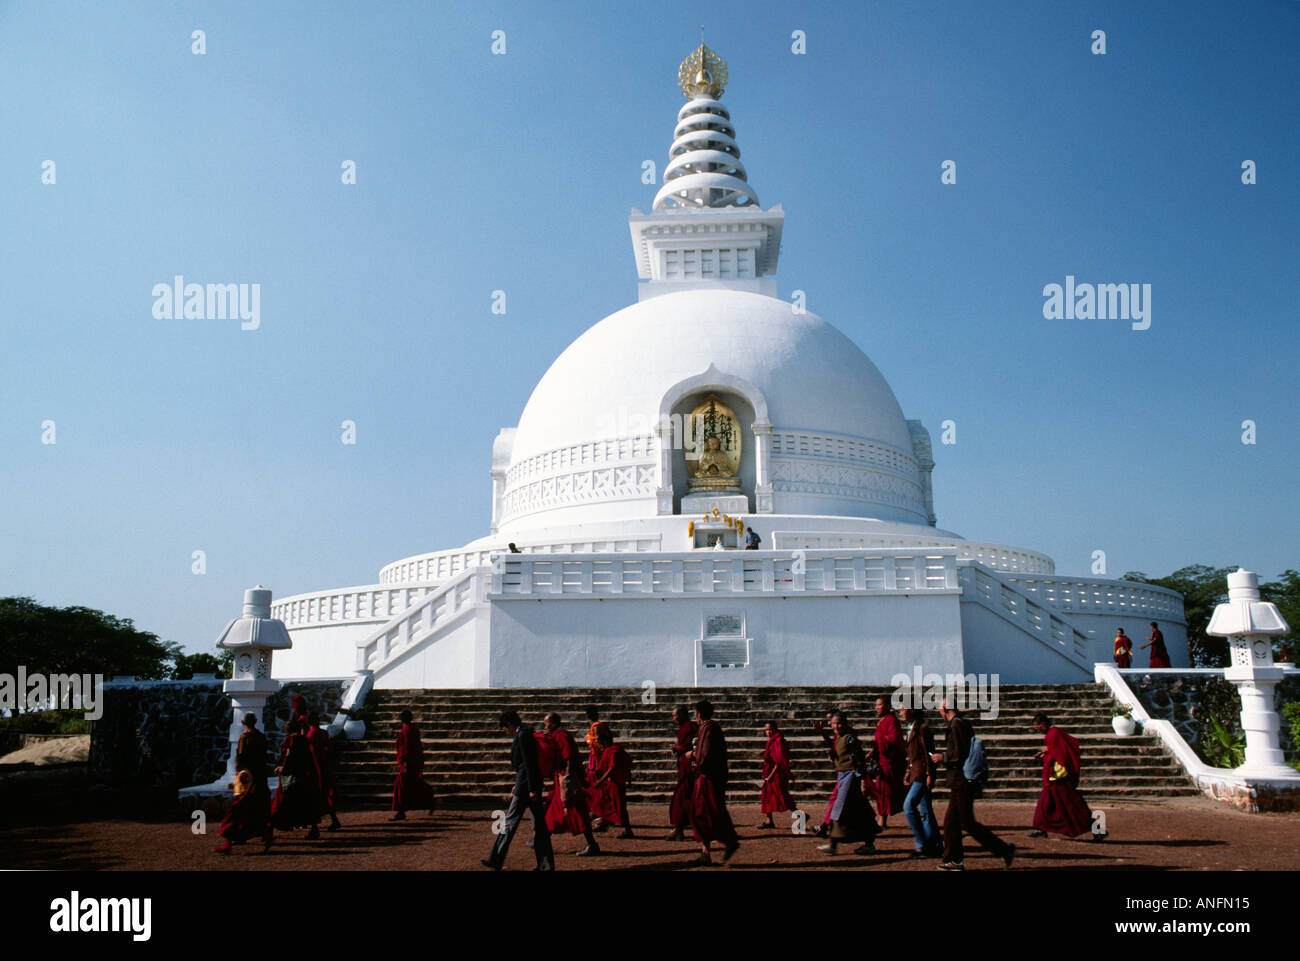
x,y
703,73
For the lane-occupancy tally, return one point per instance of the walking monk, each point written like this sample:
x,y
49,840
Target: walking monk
x,y
250,816
776,775
890,754
410,790
567,812
1159,653
709,818
1061,808
679,808
1123,649
319,741
608,792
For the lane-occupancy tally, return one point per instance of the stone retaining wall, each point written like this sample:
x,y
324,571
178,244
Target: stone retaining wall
x,y
1174,698
174,734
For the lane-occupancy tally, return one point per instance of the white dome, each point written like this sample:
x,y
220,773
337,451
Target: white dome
x,y
812,376
587,449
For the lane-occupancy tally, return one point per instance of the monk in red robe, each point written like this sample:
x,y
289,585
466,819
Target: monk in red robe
x,y
410,790
679,808
1159,653
608,792
1061,809
1123,649
709,818
296,803
319,741
593,749
297,707
250,815
567,812
776,775
890,753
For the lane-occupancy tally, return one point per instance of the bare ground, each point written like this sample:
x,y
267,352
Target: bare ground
x,y
1177,834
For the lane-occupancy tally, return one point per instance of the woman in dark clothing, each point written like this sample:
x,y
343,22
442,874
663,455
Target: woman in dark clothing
x,y
851,816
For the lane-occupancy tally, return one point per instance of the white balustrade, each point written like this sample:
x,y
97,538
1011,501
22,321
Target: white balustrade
x,y
1000,593
413,625
731,572
997,556
1098,596
349,605
441,565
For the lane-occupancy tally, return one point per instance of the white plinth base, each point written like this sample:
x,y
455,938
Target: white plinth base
x,y
1279,775
222,788
698,504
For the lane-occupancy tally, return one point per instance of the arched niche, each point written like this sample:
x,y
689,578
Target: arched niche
x,y
750,407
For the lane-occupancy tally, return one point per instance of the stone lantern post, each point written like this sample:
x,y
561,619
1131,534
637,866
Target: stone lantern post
x,y
253,637
1249,624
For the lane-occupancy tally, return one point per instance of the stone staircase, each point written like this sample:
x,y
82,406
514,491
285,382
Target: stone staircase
x,y
467,756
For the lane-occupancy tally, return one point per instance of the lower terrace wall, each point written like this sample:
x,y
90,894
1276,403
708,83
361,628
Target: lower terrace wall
x,y
172,734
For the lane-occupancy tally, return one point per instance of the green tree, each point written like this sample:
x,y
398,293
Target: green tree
x,y
1285,593
77,640
1205,588
185,666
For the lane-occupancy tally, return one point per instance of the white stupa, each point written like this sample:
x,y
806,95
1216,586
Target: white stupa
x,y
650,447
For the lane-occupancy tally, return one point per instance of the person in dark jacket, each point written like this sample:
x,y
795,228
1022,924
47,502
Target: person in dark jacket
x,y
526,796
960,816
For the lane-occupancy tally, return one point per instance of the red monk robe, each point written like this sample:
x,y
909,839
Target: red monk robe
x,y
710,820
1061,808
892,758
679,808
410,790
545,753
609,797
296,802
320,749
1159,653
567,812
1123,652
776,776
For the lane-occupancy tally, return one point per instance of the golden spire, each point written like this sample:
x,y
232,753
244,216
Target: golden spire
x,y
703,73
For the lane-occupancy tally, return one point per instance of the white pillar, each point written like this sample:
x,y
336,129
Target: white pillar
x,y
1249,624
664,490
762,467
498,490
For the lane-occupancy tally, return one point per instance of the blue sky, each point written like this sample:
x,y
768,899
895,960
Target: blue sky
x,y
478,172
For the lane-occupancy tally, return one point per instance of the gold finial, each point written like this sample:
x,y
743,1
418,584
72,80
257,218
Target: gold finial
x,y
703,73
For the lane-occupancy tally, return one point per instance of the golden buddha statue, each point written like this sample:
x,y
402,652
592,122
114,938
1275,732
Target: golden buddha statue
x,y
713,467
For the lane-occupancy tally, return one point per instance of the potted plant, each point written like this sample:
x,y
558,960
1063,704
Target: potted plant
x,y
1122,721
354,728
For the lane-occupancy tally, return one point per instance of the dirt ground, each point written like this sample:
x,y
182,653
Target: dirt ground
x,y
1177,834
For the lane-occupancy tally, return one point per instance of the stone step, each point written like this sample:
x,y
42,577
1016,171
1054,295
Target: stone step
x,y
467,756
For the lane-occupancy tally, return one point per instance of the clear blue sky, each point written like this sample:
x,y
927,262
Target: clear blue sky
x,y
479,172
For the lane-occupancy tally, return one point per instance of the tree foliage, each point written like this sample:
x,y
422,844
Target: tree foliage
x,y
77,640
1203,589
80,640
